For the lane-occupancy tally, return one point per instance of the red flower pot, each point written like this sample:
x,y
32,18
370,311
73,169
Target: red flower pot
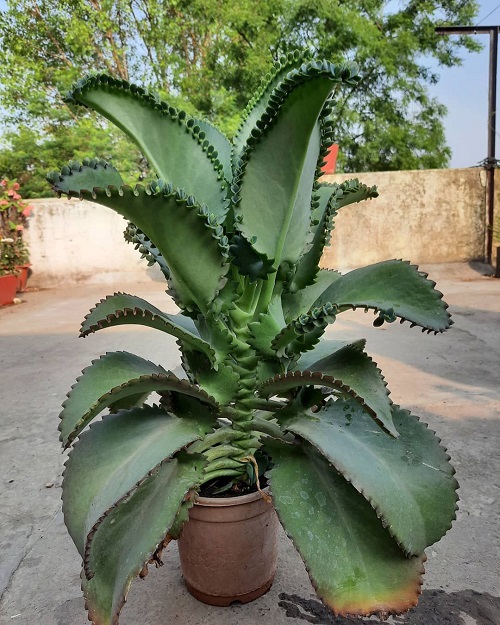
x,y
8,285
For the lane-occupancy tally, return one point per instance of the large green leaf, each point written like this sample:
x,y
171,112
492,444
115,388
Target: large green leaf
x,y
173,144
121,308
408,481
191,242
368,386
129,535
354,368
278,167
354,564
393,287
112,377
113,456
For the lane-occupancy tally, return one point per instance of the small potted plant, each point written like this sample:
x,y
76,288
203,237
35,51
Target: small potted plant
x,y
14,213
238,228
8,272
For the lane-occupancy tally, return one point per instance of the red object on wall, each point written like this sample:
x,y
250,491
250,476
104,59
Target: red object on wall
x,y
331,160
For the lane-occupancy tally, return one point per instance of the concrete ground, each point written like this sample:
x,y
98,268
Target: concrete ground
x,y
452,381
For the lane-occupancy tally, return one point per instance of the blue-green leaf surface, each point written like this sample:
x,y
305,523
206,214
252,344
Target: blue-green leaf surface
x,y
408,481
171,143
114,455
112,377
354,564
128,537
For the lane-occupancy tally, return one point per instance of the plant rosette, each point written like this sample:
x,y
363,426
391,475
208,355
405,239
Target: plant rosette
x,y
238,227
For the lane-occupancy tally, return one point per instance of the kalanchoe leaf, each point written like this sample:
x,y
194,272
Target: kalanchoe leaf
x,y
393,287
285,156
369,573
354,368
114,455
255,112
146,248
369,391
409,481
121,309
301,334
137,527
112,377
301,301
163,137
329,198
163,214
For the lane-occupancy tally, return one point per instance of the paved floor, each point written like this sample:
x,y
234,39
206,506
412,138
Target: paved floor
x,y
451,380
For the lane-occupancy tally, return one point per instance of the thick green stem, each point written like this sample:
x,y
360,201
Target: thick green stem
x,y
224,434
212,475
224,463
222,451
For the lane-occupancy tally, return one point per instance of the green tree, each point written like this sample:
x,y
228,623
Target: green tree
x,y
213,53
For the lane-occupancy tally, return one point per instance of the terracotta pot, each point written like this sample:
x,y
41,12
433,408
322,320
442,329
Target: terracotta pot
x,y
22,277
8,286
228,549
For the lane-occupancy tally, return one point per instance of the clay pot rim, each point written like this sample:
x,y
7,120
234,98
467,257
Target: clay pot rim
x,y
225,502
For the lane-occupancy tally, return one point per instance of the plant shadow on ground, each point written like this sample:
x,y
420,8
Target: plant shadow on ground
x,y
436,607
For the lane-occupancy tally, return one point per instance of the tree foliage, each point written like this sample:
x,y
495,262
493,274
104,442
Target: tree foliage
x,y
213,54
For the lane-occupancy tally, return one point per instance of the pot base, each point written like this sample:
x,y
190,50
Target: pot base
x,y
224,602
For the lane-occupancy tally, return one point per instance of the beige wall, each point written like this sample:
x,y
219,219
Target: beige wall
x,y
432,216
72,241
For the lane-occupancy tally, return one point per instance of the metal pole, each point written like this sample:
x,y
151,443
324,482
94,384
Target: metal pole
x,y
491,164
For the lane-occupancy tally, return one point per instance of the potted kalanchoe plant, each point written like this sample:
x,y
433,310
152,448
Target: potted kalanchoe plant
x,y
238,228
14,252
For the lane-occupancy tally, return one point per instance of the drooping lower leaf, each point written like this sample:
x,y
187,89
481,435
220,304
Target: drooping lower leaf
x,y
354,564
394,288
129,535
112,377
121,309
408,481
355,369
114,455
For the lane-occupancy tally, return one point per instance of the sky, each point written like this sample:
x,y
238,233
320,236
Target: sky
x,y
464,91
